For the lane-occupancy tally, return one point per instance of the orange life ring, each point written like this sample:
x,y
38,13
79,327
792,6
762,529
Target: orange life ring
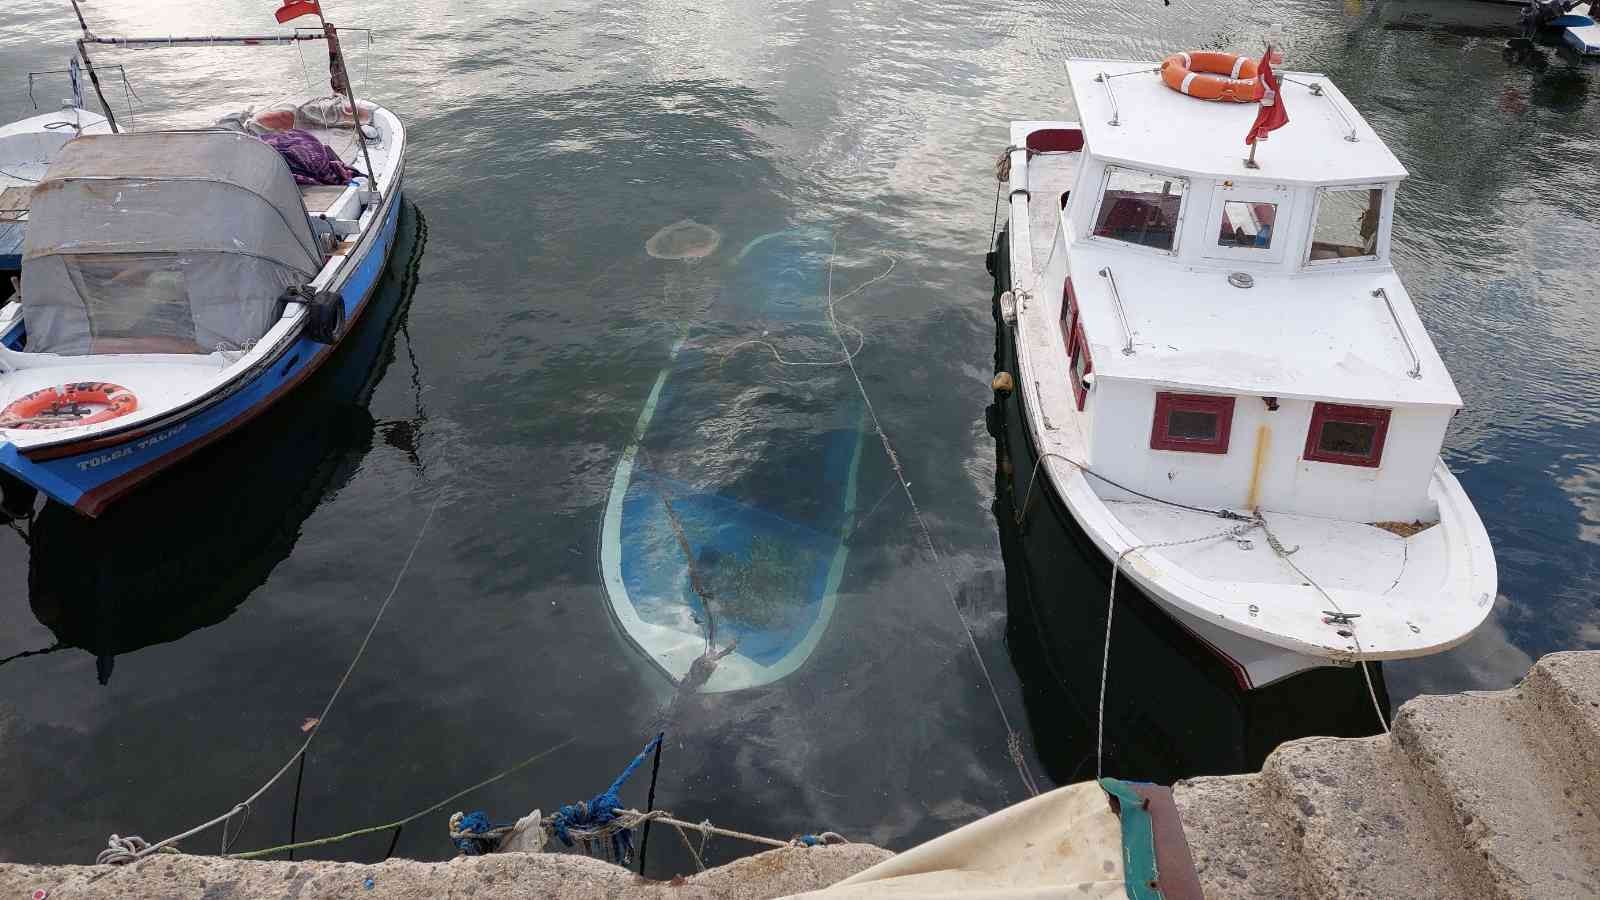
x,y
68,405
1212,76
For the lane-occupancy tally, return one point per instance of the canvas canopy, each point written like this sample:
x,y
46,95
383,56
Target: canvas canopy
x,y
162,242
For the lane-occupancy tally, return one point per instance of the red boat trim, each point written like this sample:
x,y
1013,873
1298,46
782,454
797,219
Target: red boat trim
x,y
1240,673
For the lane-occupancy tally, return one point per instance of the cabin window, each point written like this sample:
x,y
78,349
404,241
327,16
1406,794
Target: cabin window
x,y
1347,224
1140,208
1069,314
1194,423
1247,223
1350,435
1082,364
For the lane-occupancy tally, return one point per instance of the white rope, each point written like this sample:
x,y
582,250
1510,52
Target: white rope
x,y
861,339
1236,531
147,848
1013,739
1366,673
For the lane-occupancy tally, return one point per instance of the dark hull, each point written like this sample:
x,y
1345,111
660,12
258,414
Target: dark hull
x,y
1173,707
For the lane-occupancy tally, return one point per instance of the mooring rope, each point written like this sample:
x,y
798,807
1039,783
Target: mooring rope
x,y
117,851
861,339
1366,672
1237,531
388,826
1013,739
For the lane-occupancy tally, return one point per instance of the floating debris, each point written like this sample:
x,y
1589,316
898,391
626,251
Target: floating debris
x,y
687,239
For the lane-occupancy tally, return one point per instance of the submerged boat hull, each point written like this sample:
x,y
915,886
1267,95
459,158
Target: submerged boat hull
x,y
749,466
91,474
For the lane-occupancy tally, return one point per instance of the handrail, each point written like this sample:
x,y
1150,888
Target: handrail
x,y
250,40
1116,299
1315,87
1416,361
1105,79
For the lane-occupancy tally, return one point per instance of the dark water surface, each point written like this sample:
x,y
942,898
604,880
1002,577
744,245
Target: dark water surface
x,y
548,143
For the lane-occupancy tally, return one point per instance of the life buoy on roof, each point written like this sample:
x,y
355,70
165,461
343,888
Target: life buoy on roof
x,y
1209,75
83,403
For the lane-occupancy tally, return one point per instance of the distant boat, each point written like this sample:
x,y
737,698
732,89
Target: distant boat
x,y
738,485
27,147
1217,374
175,285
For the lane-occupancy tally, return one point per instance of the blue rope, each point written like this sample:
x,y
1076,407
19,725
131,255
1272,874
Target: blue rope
x,y
592,814
476,823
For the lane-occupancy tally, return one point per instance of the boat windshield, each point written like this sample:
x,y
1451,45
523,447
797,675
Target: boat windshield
x,y
1347,224
1140,208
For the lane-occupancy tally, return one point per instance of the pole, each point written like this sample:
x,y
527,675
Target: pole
x,y
1250,161
339,80
94,77
650,801
294,813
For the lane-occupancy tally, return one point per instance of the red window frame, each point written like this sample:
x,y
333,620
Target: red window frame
x,y
1323,413
1077,345
1168,403
1069,314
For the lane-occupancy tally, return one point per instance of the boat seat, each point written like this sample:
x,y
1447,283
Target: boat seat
x,y
318,198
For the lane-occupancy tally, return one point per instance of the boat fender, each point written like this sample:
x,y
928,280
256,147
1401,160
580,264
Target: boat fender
x,y
324,312
1003,383
1008,308
326,322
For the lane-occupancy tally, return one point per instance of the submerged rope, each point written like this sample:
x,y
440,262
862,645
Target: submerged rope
x,y
1013,739
244,805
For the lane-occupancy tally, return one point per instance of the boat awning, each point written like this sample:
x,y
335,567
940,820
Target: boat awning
x,y
162,242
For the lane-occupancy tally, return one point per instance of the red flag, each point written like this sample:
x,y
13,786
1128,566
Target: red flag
x,y
294,9
1272,115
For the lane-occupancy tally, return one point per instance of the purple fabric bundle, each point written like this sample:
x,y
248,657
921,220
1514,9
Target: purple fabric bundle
x,y
311,161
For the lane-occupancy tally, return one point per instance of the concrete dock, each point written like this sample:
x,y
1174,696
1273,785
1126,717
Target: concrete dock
x,y
1483,794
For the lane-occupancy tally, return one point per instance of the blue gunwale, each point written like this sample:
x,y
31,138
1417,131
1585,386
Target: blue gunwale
x,y
92,474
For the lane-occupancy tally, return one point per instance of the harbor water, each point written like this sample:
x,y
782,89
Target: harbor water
x,y
161,663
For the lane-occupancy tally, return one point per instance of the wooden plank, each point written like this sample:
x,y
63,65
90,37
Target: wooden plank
x,y
318,197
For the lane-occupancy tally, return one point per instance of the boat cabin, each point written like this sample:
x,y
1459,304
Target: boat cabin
x,y
1242,327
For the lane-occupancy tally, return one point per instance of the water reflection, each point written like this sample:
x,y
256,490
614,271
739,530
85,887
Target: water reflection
x,y
183,553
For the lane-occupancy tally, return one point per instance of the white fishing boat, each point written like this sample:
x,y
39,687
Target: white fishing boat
x,y
1213,373
176,284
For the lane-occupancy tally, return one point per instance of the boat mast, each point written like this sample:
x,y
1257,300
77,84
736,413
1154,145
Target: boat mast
x,y
94,78
339,80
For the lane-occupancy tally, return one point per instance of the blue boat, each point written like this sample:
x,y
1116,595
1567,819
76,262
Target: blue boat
x,y
728,525
175,286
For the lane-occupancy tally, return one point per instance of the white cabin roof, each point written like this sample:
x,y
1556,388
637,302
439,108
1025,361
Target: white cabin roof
x,y
1320,335
1159,128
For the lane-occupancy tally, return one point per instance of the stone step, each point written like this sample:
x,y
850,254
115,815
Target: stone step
x,y
1509,790
1360,825
1561,697
1240,845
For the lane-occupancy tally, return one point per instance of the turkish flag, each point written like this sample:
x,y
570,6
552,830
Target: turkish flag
x,y
294,9
1272,115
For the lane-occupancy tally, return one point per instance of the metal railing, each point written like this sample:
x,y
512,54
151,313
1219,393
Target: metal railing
x,y
1122,315
1416,361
